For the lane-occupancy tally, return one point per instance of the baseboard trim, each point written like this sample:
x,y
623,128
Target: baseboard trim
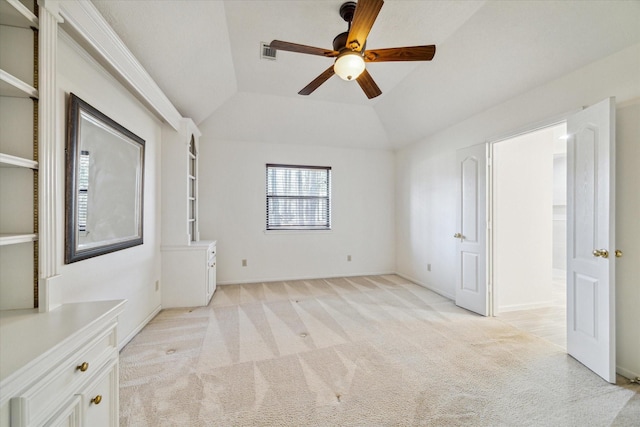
x,y
241,282
142,324
627,373
426,285
518,307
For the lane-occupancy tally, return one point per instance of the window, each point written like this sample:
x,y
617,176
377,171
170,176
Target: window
x,y
83,192
298,197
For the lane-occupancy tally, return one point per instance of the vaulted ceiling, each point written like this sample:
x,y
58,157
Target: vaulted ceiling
x,y
205,56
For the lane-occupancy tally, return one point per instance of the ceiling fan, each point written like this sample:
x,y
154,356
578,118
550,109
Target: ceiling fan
x,y
349,49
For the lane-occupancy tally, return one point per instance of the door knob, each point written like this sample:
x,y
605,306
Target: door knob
x,y
458,236
601,253
618,253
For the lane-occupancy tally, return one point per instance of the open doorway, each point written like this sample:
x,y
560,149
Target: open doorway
x,y
529,232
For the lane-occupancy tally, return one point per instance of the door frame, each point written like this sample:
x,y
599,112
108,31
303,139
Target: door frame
x,y
493,291
595,365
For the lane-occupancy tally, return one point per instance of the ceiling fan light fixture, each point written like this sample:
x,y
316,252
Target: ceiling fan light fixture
x,y
349,65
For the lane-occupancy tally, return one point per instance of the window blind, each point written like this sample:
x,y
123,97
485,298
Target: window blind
x,y
83,191
298,197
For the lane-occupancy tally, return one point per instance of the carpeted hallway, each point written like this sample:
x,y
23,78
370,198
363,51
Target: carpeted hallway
x,y
357,351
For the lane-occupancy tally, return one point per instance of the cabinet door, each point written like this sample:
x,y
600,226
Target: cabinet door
x,y
100,399
69,415
211,276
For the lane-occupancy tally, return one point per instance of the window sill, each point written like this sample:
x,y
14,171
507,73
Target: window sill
x,y
298,231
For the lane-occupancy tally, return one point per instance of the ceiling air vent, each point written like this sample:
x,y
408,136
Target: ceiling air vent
x,y
266,52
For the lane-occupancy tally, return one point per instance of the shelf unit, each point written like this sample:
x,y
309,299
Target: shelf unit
x,y
18,155
188,263
58,357
180,182
12,86
192,199
14,13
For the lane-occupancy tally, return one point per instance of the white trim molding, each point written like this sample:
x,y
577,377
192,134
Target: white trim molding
x,y
428,286
49,157
138,328
87,26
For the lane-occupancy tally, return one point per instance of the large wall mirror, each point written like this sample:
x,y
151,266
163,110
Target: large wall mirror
x,y
104,184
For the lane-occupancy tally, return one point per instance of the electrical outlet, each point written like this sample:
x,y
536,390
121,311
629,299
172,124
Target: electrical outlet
x,y
428,267
348,257
244,262
157,285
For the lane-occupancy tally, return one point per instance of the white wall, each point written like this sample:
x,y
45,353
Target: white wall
x,y
232,211
130,273
523,197
426,176
560,212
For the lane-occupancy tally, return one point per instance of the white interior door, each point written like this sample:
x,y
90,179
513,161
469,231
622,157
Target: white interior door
x,y
590,238
471,235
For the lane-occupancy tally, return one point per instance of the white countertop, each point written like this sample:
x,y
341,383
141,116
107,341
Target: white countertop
x,y
28,335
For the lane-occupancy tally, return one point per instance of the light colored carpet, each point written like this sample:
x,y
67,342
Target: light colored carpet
x,y
361,351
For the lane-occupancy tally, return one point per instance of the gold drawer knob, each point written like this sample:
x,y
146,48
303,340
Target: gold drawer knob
x,y
96,400
83,367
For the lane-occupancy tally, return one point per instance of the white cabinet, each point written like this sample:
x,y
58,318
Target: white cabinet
x,y
18,156
188,264
93,406
188,274
100,399
211,271
69,415
62,369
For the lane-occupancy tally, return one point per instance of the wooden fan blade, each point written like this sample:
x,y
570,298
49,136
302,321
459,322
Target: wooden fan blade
x,y
315,84
413,53
363,19
367,84
300,48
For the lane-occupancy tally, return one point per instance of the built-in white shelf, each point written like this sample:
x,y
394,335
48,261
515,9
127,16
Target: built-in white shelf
x,y
16,14
7,160
17,238
14,87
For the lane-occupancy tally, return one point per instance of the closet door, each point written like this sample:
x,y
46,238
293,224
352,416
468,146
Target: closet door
x,y
471,233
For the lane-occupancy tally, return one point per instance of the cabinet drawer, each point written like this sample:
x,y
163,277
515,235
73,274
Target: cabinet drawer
x,y
63,381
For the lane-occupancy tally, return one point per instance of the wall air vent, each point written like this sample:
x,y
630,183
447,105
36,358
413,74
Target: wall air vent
x,y
266,52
